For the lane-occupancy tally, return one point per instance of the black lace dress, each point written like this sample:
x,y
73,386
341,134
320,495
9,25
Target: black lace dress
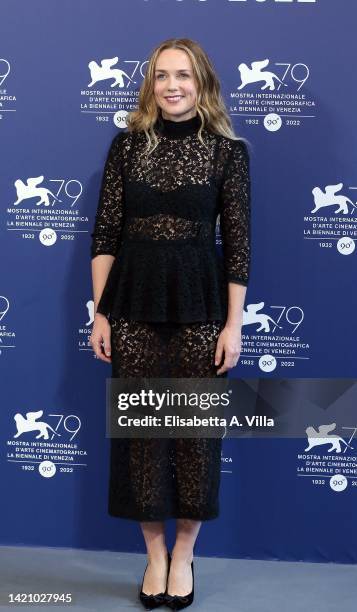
x,y
166,296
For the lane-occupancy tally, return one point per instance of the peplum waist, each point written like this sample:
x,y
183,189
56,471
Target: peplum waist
x,y
179,281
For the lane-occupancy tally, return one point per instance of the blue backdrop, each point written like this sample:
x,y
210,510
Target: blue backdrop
x,y
284,67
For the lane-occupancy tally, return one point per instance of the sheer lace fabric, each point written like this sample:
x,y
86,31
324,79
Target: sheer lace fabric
x,y
157,479
166,227
158,215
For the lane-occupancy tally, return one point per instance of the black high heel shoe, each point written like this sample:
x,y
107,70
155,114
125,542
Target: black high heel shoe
x,y
153,601
177,602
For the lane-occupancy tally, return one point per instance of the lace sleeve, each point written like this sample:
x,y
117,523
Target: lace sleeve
x,y
109,215
235,214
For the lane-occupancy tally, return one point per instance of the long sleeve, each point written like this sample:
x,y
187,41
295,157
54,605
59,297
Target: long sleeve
x,y
235,215
110,211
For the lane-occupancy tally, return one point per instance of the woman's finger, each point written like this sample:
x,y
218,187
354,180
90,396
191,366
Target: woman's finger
x,y
230,360
219,352
106,344
99,349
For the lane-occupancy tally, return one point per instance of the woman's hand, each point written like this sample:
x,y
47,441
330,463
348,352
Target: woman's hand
x,y
229,343
100,337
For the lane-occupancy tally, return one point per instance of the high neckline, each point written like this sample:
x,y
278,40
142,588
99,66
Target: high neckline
x,y
178,129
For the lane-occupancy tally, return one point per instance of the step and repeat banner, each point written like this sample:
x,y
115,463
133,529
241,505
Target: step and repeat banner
x,y
69,74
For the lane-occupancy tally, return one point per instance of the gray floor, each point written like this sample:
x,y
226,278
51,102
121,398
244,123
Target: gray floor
x,y
107,581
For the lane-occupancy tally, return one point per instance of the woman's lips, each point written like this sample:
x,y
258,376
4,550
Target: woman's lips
x,y
173,99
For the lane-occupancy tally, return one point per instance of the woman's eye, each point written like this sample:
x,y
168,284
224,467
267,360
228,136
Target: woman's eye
x,y
180,75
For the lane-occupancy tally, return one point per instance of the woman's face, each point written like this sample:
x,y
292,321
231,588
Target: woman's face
x,y
174,86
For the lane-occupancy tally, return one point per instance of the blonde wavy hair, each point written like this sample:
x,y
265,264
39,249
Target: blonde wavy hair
x,y
210,105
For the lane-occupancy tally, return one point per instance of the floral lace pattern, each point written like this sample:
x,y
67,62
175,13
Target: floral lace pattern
x,y
165,227
159,478
178,194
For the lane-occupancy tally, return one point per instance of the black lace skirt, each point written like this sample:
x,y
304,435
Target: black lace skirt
x,y
158,479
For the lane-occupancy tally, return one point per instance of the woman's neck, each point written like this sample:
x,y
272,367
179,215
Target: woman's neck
x,y
178,129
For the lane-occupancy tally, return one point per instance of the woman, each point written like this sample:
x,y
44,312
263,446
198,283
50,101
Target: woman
x,y
166,304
